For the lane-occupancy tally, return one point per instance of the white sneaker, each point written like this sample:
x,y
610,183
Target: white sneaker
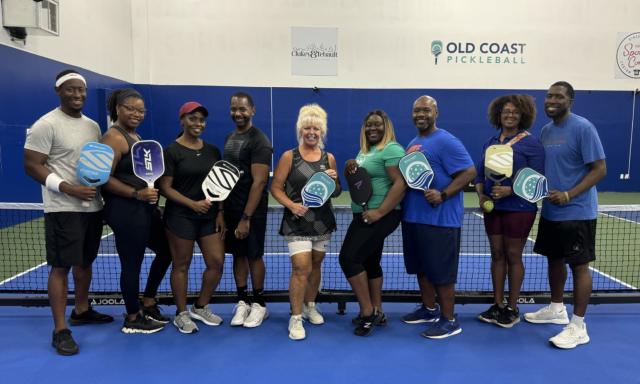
x,y
545,315
571,336
240,313
296,329
310,312
257,315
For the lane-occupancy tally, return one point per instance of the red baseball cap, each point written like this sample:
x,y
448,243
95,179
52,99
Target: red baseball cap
x,y
191,106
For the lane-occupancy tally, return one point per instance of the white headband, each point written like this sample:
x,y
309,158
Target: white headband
x,y
70,76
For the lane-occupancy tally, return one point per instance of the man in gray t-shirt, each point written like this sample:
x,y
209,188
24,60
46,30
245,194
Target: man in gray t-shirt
x,y
72,230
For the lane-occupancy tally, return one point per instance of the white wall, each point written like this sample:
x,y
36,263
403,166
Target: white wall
x,y
94,34
382,43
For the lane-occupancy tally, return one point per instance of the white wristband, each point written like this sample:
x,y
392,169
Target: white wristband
x,y
53,182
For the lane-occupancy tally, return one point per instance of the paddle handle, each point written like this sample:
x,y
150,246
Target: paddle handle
x,y
150,185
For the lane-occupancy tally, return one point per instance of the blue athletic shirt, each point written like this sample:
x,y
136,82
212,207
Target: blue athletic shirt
x,y
569,147
447,156
527,152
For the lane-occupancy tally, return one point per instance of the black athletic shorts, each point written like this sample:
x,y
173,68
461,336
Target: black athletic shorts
x,y
188,228
252,246
72,238
573,240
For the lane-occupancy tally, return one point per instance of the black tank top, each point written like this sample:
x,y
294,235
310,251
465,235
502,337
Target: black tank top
x,y
317,221
124,168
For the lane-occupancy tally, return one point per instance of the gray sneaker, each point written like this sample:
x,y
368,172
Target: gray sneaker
x,y
184,323
205,315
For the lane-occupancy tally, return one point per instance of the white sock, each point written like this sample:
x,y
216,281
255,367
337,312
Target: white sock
x,y
556,307
577,320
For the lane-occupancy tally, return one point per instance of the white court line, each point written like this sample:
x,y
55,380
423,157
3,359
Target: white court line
x,y
593,269
22,273
36,267
619,218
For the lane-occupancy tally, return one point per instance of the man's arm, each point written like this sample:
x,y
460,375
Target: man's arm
x,y
34,166
260,175
460,180
597,170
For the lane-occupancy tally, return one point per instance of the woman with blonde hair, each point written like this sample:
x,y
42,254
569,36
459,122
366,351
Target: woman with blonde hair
x,y
307,230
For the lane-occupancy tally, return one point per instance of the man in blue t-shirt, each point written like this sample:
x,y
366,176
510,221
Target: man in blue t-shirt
x,y
431,221
574,164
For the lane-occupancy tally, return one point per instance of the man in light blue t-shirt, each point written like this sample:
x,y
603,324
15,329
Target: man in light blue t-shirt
x,y
574,164
431,221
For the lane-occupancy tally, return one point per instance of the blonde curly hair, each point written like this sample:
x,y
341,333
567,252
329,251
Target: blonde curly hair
x,y
312,115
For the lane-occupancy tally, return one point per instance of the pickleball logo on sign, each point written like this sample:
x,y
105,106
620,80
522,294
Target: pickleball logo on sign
x,y
436,49
628,56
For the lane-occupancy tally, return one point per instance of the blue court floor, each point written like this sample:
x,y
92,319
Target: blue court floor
x,y
331,353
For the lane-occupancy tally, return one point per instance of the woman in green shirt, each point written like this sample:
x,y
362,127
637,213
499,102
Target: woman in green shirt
x,y
362,247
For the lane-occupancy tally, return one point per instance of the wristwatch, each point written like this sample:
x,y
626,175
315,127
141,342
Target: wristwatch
x,y
135,194
443,195
245,217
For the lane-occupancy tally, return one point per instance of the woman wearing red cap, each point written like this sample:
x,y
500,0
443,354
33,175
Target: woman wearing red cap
x,y
189,217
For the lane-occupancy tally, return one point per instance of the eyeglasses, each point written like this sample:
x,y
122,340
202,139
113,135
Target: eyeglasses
x,y
512,112
132,109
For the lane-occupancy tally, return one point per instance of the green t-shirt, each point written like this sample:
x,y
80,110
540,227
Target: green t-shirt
x,y
375,162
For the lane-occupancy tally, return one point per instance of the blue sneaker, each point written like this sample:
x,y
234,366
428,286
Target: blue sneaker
x,y
442,329
422,315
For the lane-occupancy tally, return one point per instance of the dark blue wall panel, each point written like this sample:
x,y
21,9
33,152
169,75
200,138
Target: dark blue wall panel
x,y
27,93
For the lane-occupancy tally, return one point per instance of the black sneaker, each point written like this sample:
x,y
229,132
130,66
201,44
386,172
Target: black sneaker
x,y
491,315
90,316
153,312
368,323
358,320
508,317
141,324
64,344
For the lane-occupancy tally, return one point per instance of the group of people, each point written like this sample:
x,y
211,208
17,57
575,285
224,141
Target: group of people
x,y
568,152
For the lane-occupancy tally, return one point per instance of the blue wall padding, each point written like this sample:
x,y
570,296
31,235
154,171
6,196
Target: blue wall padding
x,y
27,93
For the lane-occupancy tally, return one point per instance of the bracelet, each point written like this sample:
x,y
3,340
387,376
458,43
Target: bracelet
x,y
53,182
566,194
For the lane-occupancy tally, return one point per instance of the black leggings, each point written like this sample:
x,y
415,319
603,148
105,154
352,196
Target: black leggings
x,y
363,243
136,226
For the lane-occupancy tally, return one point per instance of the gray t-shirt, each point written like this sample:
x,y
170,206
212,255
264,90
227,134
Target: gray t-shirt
x,y
61,137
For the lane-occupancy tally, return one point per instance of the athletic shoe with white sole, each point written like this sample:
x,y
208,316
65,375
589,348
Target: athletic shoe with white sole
x,y
571,336
310,312
546,315
240,314
442,329
141,324
256,316
184,323
205,315
422,315
296,329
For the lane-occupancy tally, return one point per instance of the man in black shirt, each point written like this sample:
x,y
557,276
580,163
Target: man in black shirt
x,y
250,150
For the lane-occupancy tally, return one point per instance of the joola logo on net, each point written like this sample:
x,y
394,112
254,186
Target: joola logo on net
x,y
107,301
